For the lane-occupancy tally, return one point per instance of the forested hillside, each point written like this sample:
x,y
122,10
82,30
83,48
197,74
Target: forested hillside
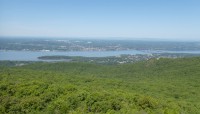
x,y
164,86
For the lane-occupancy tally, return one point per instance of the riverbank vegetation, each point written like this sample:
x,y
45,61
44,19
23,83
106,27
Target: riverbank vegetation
x,y
164,86
111,60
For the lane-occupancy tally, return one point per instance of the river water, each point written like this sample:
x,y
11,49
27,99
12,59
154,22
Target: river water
x,y
33,55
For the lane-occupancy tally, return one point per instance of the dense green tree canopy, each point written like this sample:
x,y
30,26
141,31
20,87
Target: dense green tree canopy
x,y
164,86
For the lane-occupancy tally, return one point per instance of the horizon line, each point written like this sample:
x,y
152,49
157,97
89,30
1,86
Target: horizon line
x,y
105,38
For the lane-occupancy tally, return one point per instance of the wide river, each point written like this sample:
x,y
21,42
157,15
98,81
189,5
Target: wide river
x,y
33,55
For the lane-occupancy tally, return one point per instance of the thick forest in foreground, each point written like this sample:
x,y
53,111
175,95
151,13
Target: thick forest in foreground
x,y
164,86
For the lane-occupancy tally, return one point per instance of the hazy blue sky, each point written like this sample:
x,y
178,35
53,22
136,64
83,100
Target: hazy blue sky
x,y
165,19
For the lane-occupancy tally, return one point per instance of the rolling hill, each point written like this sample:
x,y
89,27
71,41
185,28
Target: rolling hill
x,y
156,86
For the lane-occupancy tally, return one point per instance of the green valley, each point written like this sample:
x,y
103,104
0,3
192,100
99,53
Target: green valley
x,y
154,86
